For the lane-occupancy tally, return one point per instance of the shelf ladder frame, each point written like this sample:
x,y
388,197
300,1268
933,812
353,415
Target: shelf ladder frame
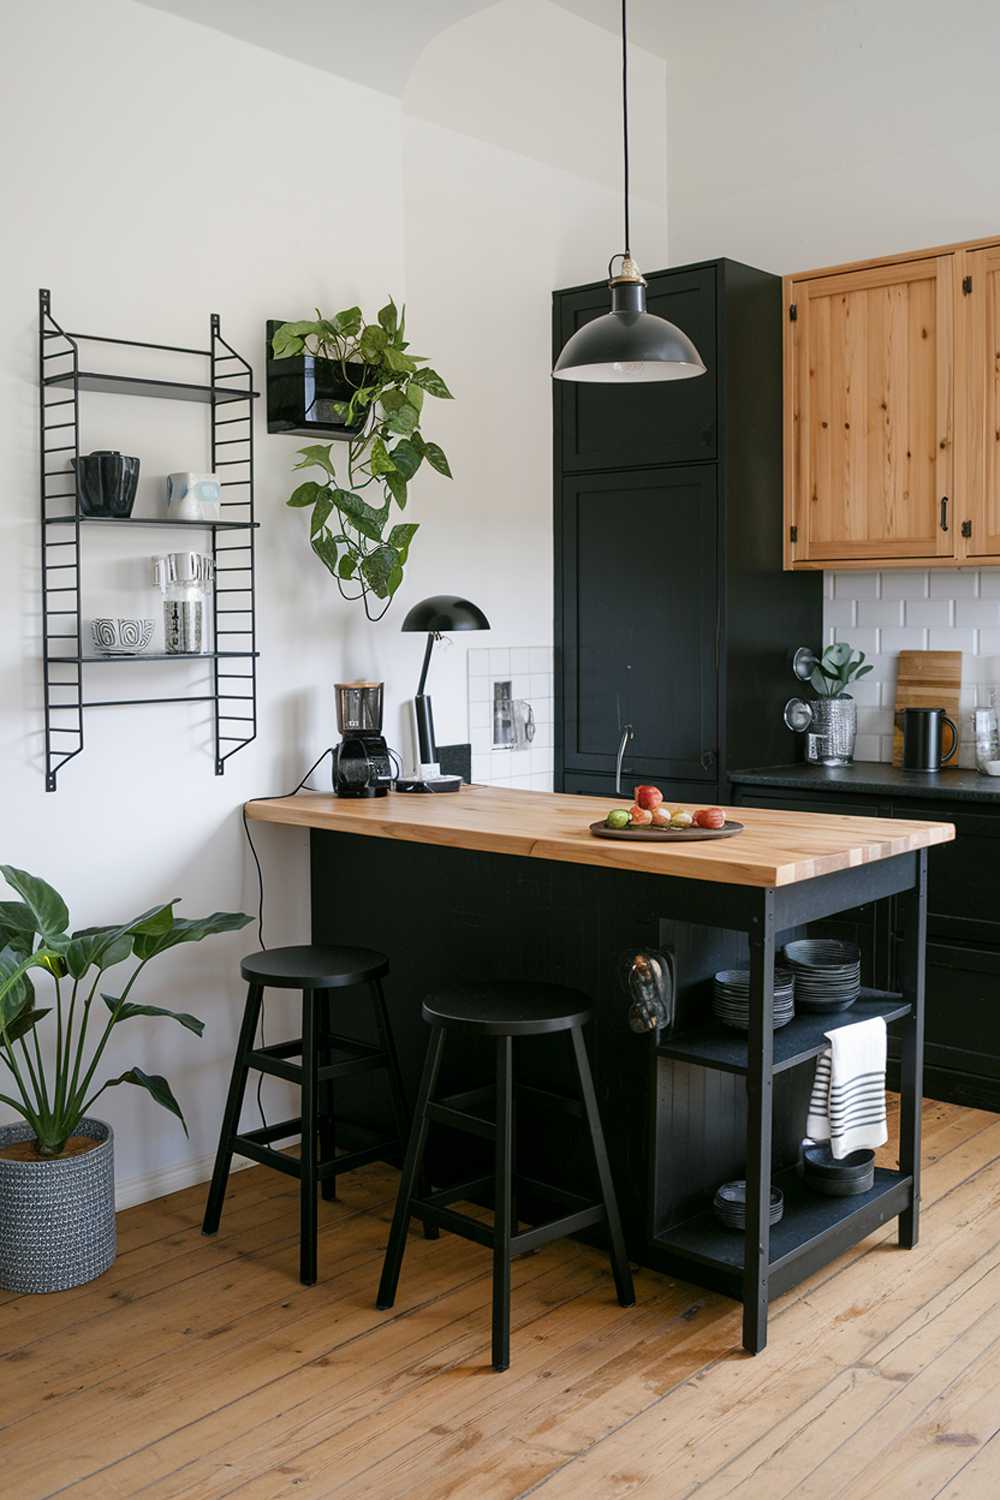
x,y
233,692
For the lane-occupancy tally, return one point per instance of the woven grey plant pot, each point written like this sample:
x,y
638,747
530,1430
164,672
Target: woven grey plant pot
x,y
57,1218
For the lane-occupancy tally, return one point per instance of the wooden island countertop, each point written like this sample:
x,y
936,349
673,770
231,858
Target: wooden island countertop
x,y
777,848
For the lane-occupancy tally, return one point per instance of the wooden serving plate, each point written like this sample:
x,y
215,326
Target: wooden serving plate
x,y
644,834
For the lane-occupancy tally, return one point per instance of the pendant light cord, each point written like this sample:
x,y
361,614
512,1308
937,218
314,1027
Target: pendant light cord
x,y
628,249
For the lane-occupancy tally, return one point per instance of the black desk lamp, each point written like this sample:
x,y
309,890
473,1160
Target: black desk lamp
x,y
435,616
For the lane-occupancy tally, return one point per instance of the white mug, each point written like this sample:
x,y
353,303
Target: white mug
x,y
194,497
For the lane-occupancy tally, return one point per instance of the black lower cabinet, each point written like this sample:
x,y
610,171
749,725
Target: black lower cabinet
x,y
962,1037
588,785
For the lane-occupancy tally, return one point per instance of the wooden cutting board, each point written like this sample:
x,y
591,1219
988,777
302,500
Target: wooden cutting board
x,y
929,679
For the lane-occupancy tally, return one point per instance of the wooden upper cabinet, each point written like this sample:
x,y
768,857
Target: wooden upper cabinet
x,y
869,402
978,401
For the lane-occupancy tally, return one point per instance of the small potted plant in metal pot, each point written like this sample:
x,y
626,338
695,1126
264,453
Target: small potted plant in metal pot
x,y
830,720
57,1182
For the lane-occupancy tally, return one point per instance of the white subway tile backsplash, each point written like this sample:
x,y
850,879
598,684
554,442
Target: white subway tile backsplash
x,y
902,584
841,612
479,662
520,658
540,685
856,586
911,610
499,659
951,583
878,612
903,638
480,768
953,640
975,614
928,612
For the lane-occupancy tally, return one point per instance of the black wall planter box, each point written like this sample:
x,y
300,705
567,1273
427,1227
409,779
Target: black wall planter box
x,y
301,391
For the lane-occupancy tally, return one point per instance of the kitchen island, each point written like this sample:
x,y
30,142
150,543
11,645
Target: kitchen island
x,y
493,883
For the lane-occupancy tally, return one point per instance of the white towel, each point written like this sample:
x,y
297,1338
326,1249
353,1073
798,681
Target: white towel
x,y
847,1107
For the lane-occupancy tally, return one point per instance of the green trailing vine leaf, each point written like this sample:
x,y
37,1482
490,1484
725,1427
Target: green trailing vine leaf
x,y
435,457
430,381
387,385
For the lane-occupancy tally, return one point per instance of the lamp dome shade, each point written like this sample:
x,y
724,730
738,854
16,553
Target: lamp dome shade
x,y
444,612
628,346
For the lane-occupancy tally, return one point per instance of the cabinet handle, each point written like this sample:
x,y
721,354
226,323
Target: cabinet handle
x,y
623,744
944,512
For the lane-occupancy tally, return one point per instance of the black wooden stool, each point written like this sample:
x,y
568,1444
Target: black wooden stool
x,y
503,1011
315,971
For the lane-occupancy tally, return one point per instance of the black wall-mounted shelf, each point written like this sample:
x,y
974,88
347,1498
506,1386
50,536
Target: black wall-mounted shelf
x,y
138,385
233,693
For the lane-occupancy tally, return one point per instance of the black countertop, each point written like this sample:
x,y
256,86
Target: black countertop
x,y
874,778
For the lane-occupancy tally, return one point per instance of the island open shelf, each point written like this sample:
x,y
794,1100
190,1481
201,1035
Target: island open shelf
x,y
715,1046
813,1230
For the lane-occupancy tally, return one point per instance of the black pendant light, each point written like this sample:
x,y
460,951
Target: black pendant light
x,y
628,344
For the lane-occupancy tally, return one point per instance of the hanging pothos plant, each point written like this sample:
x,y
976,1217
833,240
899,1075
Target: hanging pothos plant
x,y
384,388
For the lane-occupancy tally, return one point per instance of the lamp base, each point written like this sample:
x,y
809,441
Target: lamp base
x,y
428,783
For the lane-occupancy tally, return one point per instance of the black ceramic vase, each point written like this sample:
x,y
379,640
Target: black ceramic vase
x,y
106,483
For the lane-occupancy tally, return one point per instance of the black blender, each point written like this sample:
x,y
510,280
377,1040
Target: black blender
x,y
362,766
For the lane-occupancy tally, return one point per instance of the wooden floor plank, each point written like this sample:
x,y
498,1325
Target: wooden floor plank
x,y
198,1369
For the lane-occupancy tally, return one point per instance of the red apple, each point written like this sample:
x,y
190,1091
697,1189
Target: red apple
x,y
640,815
709,817
648,797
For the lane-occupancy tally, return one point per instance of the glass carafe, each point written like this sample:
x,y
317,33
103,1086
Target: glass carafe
x,y
185,581
987,736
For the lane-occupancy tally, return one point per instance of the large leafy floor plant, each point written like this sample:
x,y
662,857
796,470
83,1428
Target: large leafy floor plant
x,y
384,389
34,936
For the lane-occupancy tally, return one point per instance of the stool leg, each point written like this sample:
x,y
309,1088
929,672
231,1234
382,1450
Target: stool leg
x,y
307,1172
397,1091
411,1166
231,1115
327,1103
503,1205
619,1260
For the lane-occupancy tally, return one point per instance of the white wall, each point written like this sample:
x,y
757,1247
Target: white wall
x,y
214,176
802,134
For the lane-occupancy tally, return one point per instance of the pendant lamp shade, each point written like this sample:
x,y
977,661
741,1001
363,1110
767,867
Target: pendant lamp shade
x,y
628,344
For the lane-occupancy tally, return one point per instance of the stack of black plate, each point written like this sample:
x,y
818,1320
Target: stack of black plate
x,y
731,998
827,973
730,1205
852,1174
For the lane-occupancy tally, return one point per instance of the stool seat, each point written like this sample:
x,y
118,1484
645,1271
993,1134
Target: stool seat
x,y
312,967
508,1008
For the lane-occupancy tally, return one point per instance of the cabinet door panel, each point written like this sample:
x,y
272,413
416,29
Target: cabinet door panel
x,y
872,355
979,403
961,883
639,604
663,422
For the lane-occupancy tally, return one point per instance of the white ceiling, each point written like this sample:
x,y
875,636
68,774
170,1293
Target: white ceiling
x,y
376,42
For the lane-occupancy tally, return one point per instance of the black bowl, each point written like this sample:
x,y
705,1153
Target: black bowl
x,y
820,1161
106,483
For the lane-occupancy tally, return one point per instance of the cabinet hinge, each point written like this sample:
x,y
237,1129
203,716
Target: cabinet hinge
x,y
966,528
793,533
793,313
967,285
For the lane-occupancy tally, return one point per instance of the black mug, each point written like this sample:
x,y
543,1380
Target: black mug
x,y
922,738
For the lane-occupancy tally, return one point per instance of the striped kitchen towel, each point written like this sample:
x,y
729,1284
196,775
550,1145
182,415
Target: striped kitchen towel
x,y
847,1106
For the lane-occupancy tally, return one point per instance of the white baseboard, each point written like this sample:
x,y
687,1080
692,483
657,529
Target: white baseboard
x,y
169,1180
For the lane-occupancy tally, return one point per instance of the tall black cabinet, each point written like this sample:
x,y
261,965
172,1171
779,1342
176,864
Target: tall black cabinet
x,y
672,613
